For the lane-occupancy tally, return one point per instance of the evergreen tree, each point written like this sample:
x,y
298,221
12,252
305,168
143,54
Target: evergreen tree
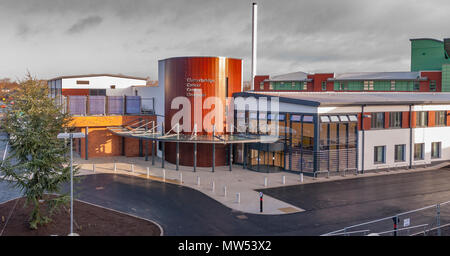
x,y
38,162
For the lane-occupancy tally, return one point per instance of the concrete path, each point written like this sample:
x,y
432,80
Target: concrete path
x,y
221,185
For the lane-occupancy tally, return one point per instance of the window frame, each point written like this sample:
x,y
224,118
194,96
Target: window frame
x,y
403,159
420,119
391,120
436,118
374,121
433,85
439,150
375,155
422,155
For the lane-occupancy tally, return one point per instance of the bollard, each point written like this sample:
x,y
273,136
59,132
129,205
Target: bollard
x,y
115,166
198,181
260,201
301,177
181,178
265,181
164,174
213,186
238,198
132,167
224,191
283,181
93,167
148,172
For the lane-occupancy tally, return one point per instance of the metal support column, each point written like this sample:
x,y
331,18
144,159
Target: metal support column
x,y
410,137
178,148
140,143
163,155
231,157
316,143
213,150
86,143
338,146
245,155
178,156
195,157
153,152
362,139
328,145
290,144
146,146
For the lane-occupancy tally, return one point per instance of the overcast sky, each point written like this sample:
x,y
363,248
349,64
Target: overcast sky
x,y
66,37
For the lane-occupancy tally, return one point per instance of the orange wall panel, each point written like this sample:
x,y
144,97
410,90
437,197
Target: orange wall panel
x,y
405,119
431,118
367,122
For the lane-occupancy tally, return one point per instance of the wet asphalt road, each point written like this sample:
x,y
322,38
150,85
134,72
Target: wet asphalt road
x,y
330,206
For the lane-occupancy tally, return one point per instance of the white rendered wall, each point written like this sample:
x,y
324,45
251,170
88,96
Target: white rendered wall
x,y
392,137
101,82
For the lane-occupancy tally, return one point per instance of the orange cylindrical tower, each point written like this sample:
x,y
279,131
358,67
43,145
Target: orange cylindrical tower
x,y
198,79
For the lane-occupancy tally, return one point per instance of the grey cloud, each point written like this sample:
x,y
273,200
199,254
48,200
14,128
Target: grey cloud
x,y
84,24
324,36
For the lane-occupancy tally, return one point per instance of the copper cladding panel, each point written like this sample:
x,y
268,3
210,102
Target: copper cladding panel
x,y
178,70
176,73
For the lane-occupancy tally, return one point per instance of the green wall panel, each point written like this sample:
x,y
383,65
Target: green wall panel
x,y
428,54
446,78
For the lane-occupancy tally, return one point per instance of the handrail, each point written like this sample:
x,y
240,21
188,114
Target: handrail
x,y
387,218
400,229
351,232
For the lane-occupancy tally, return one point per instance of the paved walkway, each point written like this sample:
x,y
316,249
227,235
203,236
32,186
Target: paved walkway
x,y
221,185
246,183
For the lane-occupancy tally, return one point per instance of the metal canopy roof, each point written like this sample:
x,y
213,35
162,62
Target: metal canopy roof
x,y
190,138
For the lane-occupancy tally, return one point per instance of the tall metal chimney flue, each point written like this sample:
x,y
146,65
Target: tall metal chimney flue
x,y
254,39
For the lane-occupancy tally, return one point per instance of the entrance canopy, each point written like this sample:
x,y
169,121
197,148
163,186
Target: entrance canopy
x,y
140,132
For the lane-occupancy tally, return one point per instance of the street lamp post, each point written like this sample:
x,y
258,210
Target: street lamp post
x,y
71,136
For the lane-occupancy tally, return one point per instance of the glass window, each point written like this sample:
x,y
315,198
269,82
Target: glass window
x,y
379,154
399,153
377,120
436,150
440,118
324,119
305,86
416,86
308,119
261,86
418,151
421,119
392,85
324,86
433,85
334,118
296,118
293,84
395,119
343,118
353,118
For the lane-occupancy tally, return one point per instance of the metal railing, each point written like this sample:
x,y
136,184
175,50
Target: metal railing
x,y
432,217
108,105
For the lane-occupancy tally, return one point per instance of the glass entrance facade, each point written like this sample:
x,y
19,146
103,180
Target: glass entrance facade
x,y
332,147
